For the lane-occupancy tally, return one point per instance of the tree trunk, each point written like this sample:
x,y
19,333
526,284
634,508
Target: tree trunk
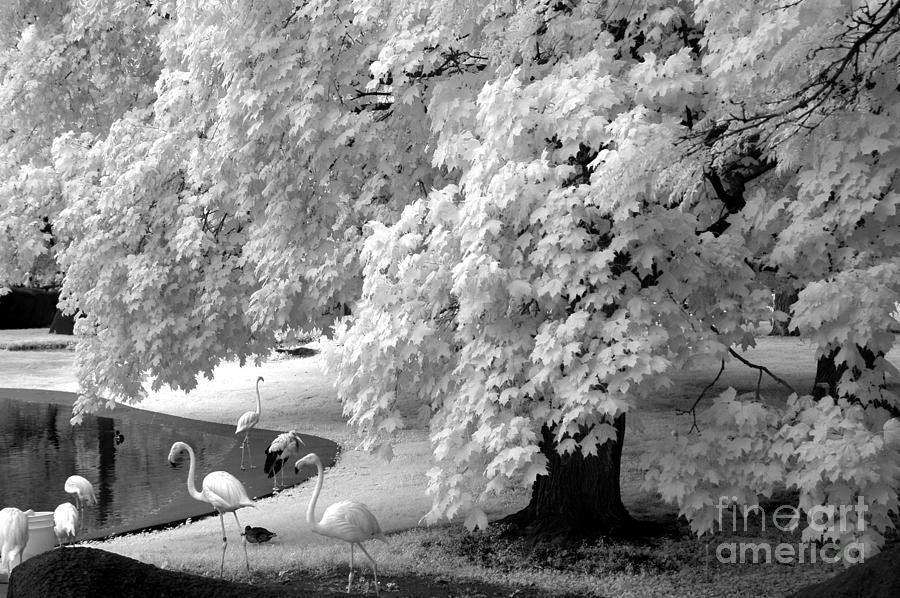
x,y
581,497
828,375
784,298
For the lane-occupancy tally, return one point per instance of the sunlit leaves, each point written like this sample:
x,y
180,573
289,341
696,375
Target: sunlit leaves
x,y
826,451
515,201
60,73
567,269
835,458
731,458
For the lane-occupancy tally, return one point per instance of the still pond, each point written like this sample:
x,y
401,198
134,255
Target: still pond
x,y
124,457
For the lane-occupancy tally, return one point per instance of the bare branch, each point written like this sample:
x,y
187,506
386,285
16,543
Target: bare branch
x,y
693,409
761,369
806,108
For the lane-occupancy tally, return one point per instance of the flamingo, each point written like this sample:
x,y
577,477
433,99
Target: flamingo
x,y
66,521
348,520
245,422
221,490
258,535
13,535
284,448
83,491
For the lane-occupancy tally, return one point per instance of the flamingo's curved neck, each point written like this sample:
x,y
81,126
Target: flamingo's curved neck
x,y
192,487
258,402
311,509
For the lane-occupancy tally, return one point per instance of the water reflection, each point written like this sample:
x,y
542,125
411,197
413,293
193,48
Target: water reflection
x,y
132,479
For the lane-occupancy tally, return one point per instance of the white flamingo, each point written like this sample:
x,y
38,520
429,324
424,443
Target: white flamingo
x,y
348,520
13,535
221,490
82,490
245,422
283,449
66,521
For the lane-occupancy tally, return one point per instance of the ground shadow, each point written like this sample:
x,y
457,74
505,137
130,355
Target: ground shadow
x,y
80,571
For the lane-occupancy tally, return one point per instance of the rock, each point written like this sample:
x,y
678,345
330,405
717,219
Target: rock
x,y
80,571
876,577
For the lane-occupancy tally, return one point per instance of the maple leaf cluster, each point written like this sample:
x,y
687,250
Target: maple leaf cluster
x,y
536,212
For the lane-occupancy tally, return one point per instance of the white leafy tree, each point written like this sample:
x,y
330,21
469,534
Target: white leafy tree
x,y
65,75
537,211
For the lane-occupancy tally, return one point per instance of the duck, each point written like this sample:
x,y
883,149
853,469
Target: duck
x,y
258,535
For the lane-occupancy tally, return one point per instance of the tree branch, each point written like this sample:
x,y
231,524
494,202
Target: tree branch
x,y
761,369
799,106
693,409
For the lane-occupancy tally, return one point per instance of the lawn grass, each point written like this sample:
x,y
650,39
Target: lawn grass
x,y
296,394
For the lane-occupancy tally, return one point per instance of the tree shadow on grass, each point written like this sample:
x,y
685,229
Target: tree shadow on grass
x,y
80,571
297,351
404,585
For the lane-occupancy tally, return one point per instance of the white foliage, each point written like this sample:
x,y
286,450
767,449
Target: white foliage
x,y
515,200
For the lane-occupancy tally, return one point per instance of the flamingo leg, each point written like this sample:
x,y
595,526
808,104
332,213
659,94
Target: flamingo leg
x,y
245,445
246,558
224,543
243,448
80,507
374,566
350,577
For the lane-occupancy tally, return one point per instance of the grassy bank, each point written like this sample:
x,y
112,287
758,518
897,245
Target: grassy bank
x,y
296,394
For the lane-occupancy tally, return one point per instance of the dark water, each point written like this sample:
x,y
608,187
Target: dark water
x,y
134,484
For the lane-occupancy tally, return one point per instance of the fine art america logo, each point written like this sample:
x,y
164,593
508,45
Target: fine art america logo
x,y
828,520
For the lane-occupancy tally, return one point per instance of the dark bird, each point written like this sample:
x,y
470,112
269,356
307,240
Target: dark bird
x,y
285,448
120,438
258,535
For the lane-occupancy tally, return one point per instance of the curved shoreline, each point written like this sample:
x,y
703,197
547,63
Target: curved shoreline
x,y
258,484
